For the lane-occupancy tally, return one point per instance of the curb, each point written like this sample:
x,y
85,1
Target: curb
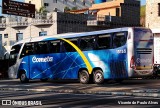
x,y
136,93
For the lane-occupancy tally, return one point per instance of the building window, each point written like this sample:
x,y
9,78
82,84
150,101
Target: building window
x,y
158,9
92,1
46,4
74,2
19,36
5,35
117,12
64,1
43,33
0,42
54,1
83,2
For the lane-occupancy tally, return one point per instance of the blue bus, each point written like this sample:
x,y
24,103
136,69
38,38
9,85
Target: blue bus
x,y
115,54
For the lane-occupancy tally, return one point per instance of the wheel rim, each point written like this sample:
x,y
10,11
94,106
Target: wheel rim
x,y
23,77
98,77
83,77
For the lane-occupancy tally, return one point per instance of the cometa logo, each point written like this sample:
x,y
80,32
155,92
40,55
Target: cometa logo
x,y
143,60
46,59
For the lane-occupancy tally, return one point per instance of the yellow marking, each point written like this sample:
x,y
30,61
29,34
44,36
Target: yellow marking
x,y
89,67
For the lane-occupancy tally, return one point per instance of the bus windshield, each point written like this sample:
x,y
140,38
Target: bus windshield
x,y
14,54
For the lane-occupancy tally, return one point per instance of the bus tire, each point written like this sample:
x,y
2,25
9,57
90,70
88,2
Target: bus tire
x,y
44,80
98,76
23,78
84,77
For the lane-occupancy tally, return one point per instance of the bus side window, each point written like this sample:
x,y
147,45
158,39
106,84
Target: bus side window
x,y
54,46
41,48
104,41
86,43
69,48
119,39
27,50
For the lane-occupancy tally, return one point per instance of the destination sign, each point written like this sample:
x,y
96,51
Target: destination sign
x,y
18,8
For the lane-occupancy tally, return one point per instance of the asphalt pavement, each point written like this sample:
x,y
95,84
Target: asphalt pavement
x,y
133,87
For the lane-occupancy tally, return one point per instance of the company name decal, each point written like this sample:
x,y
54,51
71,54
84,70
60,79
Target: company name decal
x,y
143,60
46,59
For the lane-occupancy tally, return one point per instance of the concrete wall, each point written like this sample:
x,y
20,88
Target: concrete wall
x,y
60,5
73,23
152,18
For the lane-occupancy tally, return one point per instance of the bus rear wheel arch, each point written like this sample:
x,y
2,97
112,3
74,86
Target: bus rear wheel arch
x,y
23,77
98,77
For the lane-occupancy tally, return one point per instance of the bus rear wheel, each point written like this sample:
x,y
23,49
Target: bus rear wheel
x,y
98,77
84,77
23,78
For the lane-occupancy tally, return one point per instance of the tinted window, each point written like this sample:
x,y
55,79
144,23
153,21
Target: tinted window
x,y
41,48
119,39
87,43
69,48
54,46
27,49
104,41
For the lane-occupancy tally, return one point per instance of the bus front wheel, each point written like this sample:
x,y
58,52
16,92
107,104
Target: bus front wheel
x,y
84,77
98,77
23,78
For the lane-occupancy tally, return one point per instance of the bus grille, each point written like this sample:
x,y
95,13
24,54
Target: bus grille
x,y
118,69
144,51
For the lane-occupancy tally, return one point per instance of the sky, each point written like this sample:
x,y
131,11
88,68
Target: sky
x,y
143,2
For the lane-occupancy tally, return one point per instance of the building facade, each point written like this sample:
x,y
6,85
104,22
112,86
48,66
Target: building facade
x,y
153,14
113,13
60,5
116,13
13,29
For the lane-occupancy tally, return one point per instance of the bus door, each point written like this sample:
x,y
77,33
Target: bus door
x,y
143,45
41,61
25,56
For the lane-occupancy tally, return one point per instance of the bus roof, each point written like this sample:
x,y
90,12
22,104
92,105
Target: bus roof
x,y
71,35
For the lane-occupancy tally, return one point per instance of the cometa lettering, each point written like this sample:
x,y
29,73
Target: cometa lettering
x,y
46,59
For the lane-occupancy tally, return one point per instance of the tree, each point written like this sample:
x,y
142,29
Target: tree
x,y
42,10
142,15
74,8
66,9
